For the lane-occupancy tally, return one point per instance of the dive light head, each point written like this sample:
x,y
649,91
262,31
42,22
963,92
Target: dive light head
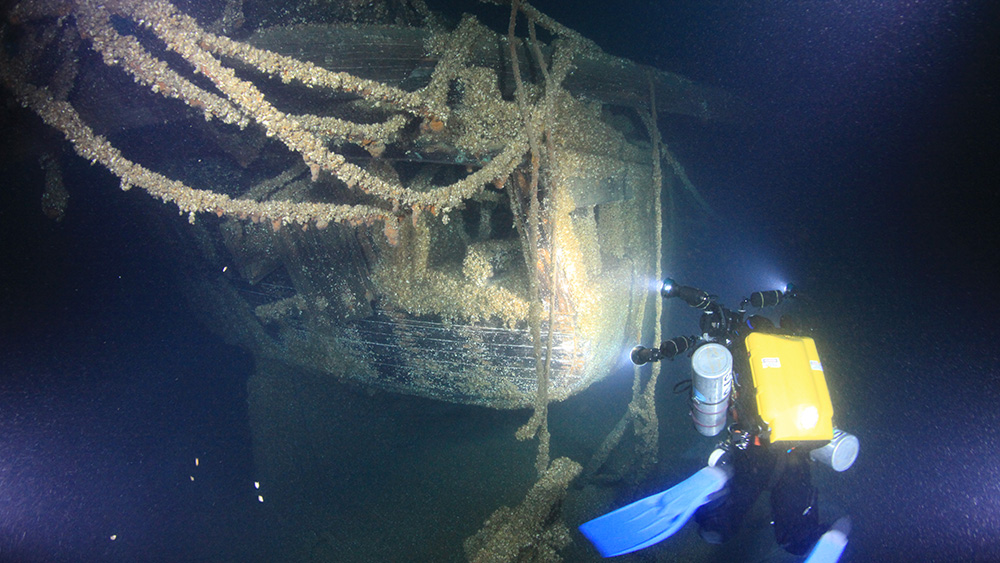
x,y
790,291
668,289
690,295
668,349
641,355
770,298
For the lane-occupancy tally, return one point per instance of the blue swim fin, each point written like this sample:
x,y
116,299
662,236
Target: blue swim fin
x,y
654,518
831,545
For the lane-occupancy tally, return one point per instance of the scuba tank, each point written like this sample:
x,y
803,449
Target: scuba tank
x,y
839,453
711,385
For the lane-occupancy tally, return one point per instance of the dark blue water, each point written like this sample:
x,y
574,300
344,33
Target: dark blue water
x,y
110,393
868,178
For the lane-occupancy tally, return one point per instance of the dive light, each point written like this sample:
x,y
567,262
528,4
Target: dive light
x,y
690,295
641,355
668,349
760,299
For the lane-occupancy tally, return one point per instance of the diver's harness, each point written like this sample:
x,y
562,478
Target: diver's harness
x,y
790,403
790,407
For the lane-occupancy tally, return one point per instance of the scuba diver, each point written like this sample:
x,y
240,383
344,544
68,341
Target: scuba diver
x,y
780,422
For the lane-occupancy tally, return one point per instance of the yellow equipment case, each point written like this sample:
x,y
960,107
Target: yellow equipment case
x,y
792,397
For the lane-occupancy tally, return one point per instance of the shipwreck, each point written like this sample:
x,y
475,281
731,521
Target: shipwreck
x,y
372,192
